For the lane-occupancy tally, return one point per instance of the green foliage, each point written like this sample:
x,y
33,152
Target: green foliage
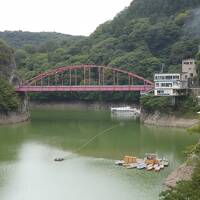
x,y
195,129
185,189
19,38
181,18
9,100
185,48
187,104
183,105
151,103
157,8
161,35
139,39
5,59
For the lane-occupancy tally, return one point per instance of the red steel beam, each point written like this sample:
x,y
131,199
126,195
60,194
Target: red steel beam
x,y
142,88
62,69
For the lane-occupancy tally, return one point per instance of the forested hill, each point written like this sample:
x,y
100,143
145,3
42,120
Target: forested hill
x,y
18,39
140,38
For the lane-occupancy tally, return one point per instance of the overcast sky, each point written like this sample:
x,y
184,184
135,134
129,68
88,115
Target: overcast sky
x,y
76,17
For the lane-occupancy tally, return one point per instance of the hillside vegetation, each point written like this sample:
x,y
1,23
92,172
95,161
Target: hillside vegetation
x,y
140,38
9,100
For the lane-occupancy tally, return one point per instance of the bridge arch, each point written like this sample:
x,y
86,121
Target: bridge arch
x,y
87,78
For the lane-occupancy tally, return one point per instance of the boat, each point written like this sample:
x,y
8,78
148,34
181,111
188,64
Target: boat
x,y
59,159
165,163
131,166
127,110
149,167
157,168
162,166
150,162
119,162
141,166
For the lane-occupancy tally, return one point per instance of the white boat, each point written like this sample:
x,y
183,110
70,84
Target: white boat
x,y
119,162
125,111
162,166
131,166
149,167
141,166
157,168
165,163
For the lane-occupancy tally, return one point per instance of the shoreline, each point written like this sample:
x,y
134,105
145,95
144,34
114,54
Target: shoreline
x,y
13,118
182,173
78,105
167,120
155,119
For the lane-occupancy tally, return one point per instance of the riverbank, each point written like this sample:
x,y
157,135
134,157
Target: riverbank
x,y
78,105
13,117
167,120
156,119
182,173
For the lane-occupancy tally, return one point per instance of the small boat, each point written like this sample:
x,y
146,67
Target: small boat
x,y
119,162
149,167
165,162
131,166
141,166
157,168
154,166
58,159
162,165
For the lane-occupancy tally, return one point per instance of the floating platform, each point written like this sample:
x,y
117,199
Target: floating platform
x,y
151,162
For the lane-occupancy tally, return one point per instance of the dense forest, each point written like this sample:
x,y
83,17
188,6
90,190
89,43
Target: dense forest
x,y
141,38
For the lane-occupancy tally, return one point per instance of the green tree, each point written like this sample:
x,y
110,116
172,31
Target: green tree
x,y
9,100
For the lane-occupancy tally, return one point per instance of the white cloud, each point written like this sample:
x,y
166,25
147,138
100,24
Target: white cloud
x,y
76,17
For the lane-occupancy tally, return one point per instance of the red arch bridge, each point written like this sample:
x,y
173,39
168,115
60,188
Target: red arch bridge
x,y
86,78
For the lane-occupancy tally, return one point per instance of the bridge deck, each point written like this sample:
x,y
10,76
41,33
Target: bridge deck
x,y
142,88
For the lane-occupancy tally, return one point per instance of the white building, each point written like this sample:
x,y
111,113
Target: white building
x,y
189,70
169,84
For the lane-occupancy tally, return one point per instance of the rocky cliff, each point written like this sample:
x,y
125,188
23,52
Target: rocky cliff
x,y
13,107
160,119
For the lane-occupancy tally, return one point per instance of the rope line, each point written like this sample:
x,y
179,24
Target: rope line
x,y
92,139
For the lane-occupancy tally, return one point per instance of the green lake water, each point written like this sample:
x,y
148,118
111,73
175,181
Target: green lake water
x,y
28,172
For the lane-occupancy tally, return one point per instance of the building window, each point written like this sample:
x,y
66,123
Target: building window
x,y
169,77
176,77
191,75
157,84
166,84
160,91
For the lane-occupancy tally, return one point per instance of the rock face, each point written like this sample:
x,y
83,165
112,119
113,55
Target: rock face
x,y
8,71
183,173
160,119
13,117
